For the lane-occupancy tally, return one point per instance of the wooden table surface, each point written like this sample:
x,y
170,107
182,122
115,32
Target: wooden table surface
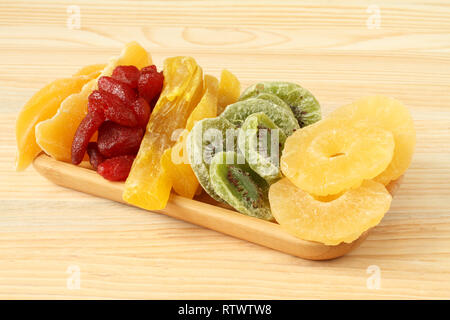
x,y
51,236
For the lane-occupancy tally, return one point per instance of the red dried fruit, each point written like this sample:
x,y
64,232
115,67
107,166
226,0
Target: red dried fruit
x,y
142,110
113,107
116,140
127,74
117,168
90,123
118,88
151,69
95,157
150,83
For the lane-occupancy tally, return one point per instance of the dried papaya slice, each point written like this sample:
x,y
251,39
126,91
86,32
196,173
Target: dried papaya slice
x,y
148,185
229,90
175,160
91,69
55,135
42,106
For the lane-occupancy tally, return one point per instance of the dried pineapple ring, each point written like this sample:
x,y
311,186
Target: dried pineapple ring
x,y
334,155
389,114
343,219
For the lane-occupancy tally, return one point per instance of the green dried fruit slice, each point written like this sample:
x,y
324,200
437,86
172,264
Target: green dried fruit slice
x,y
261,141
274,99
237,112
303,104
206,138
240,186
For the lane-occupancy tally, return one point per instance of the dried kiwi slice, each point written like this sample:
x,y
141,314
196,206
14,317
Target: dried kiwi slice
x,y
303,104
206,138
240,186
261,141
237,112
274,99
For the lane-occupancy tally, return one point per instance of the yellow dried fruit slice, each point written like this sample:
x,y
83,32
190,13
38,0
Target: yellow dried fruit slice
x,y
389,114
90,69
42,106
229,90
342,219
207,107
175,160
182,177
55,135
334,155
148,184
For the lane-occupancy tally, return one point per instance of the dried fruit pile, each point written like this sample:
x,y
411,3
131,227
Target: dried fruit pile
x,y
336,171
182,130
119,110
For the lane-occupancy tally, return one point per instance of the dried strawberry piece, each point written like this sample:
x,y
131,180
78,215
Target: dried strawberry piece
x,y
118,88
151,69
90,123
117,168
95,157
150,83
142,110
116,140
113,107
127,74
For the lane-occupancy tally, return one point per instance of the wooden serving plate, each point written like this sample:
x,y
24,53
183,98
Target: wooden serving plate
x,y
202,211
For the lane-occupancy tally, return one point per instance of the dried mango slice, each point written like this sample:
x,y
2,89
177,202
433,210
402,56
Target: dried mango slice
x,y
55,135
148,184
175,160
229,90
90,69
42,106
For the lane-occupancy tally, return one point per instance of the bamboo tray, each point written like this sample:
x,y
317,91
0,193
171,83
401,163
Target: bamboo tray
x,y
202,211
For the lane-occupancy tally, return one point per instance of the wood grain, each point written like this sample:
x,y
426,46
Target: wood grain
x,y
124,252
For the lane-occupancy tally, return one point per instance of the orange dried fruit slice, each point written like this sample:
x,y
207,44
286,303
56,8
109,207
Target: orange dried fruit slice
x,y
229,90
183,179
55,135
175,160
148,185
341,219
42,106
389,114
90,69
334,155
